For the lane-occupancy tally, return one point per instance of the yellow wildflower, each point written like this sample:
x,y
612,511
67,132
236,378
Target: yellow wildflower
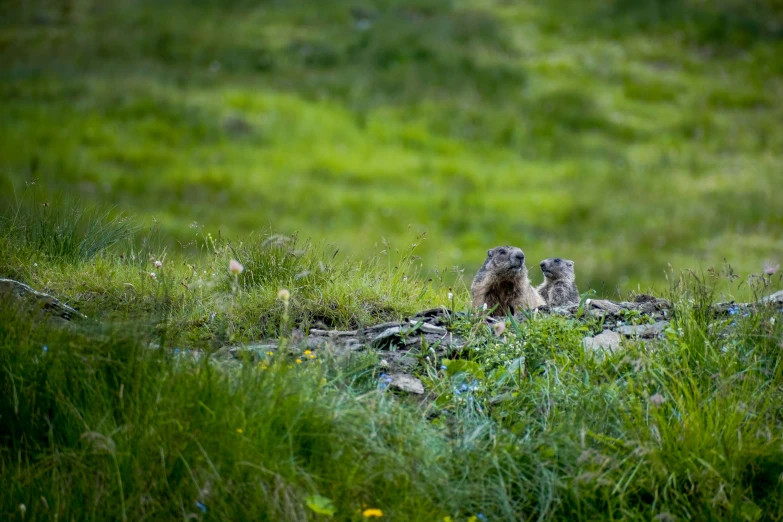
x,y
299,361
239,430
307,352
270,353
372,513
312,356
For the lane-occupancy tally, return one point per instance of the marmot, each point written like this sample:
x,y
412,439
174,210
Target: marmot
x,y
558,288
502,280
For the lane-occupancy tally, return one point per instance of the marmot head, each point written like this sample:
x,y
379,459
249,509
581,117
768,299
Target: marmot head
x,y
506,261
556,269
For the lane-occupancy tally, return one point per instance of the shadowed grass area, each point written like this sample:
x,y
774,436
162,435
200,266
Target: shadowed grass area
x,y
623,135
109,422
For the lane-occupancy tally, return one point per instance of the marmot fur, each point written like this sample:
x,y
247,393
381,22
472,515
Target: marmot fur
x,y
502,282
558,288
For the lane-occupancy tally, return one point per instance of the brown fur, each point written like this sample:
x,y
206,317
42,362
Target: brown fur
x,y
502,282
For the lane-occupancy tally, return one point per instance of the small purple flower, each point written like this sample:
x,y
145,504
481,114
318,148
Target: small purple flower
x,y
770,267
235,267
45,349
657,400
201,506
442,366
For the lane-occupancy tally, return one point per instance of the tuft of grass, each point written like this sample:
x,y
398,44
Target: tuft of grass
x,y
63,230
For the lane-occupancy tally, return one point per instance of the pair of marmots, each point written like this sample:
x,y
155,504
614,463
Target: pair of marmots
x,y
502,283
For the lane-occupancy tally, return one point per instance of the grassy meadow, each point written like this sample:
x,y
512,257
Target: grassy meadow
x,y
134,414
625,135
363,157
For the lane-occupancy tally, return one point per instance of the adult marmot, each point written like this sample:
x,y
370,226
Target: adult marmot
x,y
558,288
502,282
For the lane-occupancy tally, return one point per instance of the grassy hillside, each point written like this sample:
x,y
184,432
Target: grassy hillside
x,y
137,416
625,135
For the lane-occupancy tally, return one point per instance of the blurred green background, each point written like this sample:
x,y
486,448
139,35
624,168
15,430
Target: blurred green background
x,y
626,135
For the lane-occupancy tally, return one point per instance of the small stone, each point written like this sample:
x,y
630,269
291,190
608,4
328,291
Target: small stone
x,y
14,291
607,306
428,328
406,383
257,350
607,340
387,334
644,330
776,298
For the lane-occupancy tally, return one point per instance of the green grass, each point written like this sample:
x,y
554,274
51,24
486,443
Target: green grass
x,y
139,417
626,135
623,135
111,269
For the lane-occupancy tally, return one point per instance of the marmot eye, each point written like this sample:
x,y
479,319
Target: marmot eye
x,y
502,251
557,260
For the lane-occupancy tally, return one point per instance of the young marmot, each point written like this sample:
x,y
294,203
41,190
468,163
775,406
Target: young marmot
x,y
558,288
502,280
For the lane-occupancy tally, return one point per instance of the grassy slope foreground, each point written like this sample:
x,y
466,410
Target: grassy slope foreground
x,y
118,420
625,135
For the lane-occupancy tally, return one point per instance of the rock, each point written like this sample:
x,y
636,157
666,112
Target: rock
x,y
644,330
401,361
428,328
606,340
388,335
14,291
383,326
333,333
776,298
606,306
257,350
644,298
406,383
411,336
314,342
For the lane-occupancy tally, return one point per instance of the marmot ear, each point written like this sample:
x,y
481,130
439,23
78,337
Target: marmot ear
x,y
489,253
571,263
